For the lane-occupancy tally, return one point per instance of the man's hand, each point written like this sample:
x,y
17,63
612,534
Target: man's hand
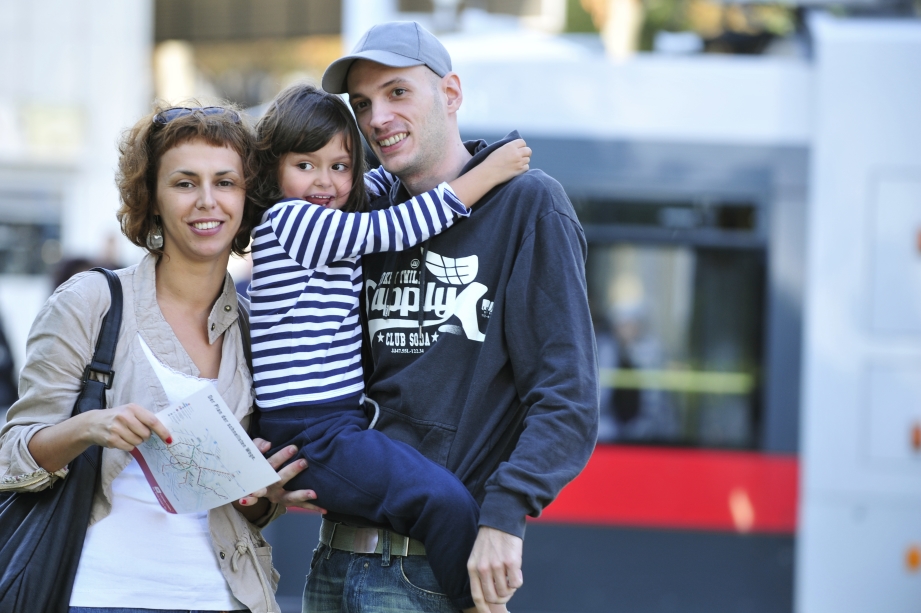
x,y
494,567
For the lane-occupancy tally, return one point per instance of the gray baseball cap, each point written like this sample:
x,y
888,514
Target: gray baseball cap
x,y
398,44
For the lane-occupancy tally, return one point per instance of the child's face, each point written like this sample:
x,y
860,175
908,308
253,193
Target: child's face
x,y
322,177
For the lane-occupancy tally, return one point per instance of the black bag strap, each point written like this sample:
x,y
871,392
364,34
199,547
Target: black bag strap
x,y
243,322
99,374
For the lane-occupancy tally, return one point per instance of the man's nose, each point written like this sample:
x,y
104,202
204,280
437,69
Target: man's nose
x,y
380,115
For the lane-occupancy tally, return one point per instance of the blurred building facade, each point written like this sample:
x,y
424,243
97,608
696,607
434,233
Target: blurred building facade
x,y
73,75
742,174
859,536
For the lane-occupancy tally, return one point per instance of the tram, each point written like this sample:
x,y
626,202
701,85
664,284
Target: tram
x,y
689,501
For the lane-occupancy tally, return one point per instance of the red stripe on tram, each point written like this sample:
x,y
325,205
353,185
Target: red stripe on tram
x,y
682,489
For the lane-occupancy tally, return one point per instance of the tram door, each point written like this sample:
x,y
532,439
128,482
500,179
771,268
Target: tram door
x,y
676,293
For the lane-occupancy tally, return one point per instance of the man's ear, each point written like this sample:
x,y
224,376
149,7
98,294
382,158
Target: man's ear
x,y
454,95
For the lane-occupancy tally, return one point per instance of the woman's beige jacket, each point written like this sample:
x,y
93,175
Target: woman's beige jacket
x,y
61,344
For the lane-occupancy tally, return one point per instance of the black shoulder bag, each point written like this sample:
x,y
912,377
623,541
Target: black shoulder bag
x,y
41,533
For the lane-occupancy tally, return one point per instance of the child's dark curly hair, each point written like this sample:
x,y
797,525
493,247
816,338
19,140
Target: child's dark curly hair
x,y
303,119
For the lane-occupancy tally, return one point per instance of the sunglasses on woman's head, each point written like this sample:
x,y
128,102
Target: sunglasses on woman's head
x,y
164,117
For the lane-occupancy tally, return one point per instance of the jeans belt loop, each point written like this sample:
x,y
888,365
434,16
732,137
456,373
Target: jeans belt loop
x,y
332,535
385,552
403,547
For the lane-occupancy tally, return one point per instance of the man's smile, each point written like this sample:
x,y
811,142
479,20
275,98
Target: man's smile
x,y
392,140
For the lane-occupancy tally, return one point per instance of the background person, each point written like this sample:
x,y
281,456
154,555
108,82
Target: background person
x,y
68,267
8,375
182,179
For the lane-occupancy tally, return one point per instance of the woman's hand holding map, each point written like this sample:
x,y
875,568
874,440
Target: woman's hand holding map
x,y
276,492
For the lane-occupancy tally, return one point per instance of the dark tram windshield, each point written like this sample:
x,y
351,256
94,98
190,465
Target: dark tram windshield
x,y
677,294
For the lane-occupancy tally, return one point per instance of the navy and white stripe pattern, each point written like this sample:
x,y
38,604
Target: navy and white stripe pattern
x,y
378,182
306,333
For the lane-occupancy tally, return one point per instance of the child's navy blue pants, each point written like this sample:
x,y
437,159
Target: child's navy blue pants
x,y
362,472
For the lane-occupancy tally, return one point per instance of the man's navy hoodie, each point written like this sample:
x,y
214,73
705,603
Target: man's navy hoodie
x,y
496,377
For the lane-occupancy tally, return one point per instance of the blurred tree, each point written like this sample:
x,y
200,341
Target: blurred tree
x,y
578,18
668,15
726,28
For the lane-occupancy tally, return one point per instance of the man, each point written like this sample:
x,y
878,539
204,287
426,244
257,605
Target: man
x,y
480,340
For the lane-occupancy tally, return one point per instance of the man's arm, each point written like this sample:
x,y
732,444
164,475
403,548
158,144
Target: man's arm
x,y
552,351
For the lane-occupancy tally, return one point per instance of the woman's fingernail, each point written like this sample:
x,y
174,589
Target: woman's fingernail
x,y
243,502
169,440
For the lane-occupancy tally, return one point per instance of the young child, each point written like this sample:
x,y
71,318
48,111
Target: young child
x,y
306,332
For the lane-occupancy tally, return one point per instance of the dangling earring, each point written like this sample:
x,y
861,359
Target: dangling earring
x,y
155,238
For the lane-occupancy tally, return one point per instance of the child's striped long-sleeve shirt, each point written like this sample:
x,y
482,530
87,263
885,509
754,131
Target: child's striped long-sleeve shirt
x,y
307,278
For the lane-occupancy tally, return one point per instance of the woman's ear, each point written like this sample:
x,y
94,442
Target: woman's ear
x,y
454,95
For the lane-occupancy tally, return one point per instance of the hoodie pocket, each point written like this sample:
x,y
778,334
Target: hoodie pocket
x,y
431,439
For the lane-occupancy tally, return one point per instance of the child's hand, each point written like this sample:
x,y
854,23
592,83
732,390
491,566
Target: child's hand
x,y
503,164
508,161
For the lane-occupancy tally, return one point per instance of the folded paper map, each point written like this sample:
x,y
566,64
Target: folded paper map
x,y
211,461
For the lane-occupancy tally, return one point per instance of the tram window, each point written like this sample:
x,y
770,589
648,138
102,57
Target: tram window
x,y
725,216
679,342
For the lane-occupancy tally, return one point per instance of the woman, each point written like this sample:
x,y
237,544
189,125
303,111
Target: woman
x,y
182,179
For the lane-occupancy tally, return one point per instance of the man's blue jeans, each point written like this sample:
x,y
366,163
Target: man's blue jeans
x,y
343,582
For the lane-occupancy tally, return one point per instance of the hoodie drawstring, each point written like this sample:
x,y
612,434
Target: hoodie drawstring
x,y
421,318
377,410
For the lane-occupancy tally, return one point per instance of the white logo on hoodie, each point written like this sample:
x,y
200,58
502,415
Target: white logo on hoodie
x,y
391,308
460,271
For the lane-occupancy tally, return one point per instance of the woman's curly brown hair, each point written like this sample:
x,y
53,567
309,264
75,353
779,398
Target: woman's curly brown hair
x,y
142,147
